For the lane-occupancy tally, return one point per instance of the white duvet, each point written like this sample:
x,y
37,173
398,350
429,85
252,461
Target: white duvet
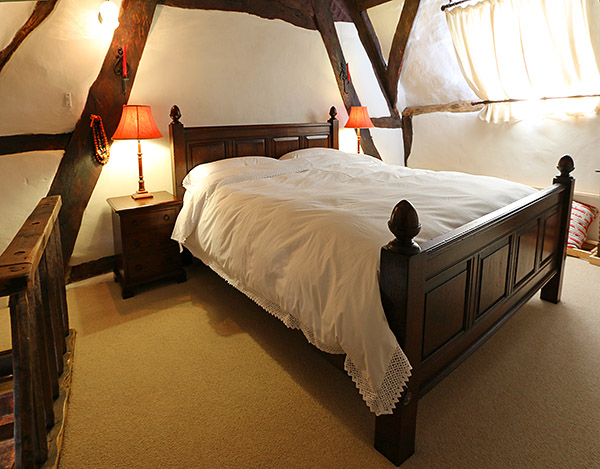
x,y
302,238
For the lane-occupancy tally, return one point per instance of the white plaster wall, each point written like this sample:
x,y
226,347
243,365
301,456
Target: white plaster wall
x,y
430,73
388,141
525,151
12,16
63,54
232,68
385,18
219,68
25,179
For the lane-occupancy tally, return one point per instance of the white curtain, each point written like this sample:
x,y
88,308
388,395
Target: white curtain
x,y
528,49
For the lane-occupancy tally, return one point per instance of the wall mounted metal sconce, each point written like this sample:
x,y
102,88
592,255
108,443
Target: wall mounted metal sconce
x,y
121,68
345,75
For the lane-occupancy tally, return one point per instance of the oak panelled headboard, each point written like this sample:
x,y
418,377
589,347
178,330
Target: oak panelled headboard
x,y
191,146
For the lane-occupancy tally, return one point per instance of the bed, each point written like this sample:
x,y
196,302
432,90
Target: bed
x,y
440,298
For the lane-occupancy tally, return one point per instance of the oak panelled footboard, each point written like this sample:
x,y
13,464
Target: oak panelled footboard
x,y
442,299
445,298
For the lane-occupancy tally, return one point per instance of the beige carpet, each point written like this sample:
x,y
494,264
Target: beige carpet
x,y
195,375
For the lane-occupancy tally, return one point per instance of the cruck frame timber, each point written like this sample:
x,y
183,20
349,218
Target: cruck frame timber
x,y
105,97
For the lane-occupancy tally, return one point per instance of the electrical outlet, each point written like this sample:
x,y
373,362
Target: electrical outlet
x,y
68,100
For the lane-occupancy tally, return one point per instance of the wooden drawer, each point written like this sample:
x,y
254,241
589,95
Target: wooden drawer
x,y
142,236
146,220
147,241
153,265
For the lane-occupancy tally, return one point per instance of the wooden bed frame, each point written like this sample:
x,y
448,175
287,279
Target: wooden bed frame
x,y
442,299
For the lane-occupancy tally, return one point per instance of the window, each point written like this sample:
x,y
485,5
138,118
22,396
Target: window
x,y
529,51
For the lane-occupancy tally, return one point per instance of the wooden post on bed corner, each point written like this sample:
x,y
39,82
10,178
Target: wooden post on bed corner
x,y
402,283
178,150
552,290
335,128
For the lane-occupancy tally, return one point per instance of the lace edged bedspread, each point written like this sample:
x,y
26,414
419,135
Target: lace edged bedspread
x,y
380,402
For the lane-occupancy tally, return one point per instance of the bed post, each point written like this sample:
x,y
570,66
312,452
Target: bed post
x,y
335,128
178,150
402,283
552,290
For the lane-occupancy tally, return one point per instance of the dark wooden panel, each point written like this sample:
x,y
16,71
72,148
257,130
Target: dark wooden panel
x,y
493,279
526,251
191,146
253,147
445,250
283,145
206,152
317,141
143,245
148,267
148,241
148,219
445,313
549,246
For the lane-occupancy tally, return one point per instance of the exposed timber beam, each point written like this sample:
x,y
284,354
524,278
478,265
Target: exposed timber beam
x,y
409,112
324,22
368,38
41,11
456,106
407,137
399,44
299,15
33,142
366,4
78,171
387,122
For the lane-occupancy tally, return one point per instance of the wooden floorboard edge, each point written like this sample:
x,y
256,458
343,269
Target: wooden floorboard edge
x,y
594,258
581,253
56,434
589,252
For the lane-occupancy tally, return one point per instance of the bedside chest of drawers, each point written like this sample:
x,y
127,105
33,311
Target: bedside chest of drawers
x,y
144,249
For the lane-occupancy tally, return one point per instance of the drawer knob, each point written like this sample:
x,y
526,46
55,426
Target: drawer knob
x,y
166,217
138,267
137,244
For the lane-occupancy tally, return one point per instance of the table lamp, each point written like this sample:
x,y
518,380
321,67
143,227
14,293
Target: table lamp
x,y
137,123
359,119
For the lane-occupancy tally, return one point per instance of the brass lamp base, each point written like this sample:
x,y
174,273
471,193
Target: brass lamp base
x,y
142,195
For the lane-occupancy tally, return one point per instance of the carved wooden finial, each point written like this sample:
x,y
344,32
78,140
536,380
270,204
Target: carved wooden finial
x,y
566,165
332,114
404,225
175,114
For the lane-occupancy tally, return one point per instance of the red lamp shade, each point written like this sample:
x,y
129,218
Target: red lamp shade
x,y
359,118
136,123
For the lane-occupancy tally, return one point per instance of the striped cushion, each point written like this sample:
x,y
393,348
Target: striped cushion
x,y
582,215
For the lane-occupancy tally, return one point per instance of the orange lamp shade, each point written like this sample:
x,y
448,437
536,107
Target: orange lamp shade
x,y
136,123
359,118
